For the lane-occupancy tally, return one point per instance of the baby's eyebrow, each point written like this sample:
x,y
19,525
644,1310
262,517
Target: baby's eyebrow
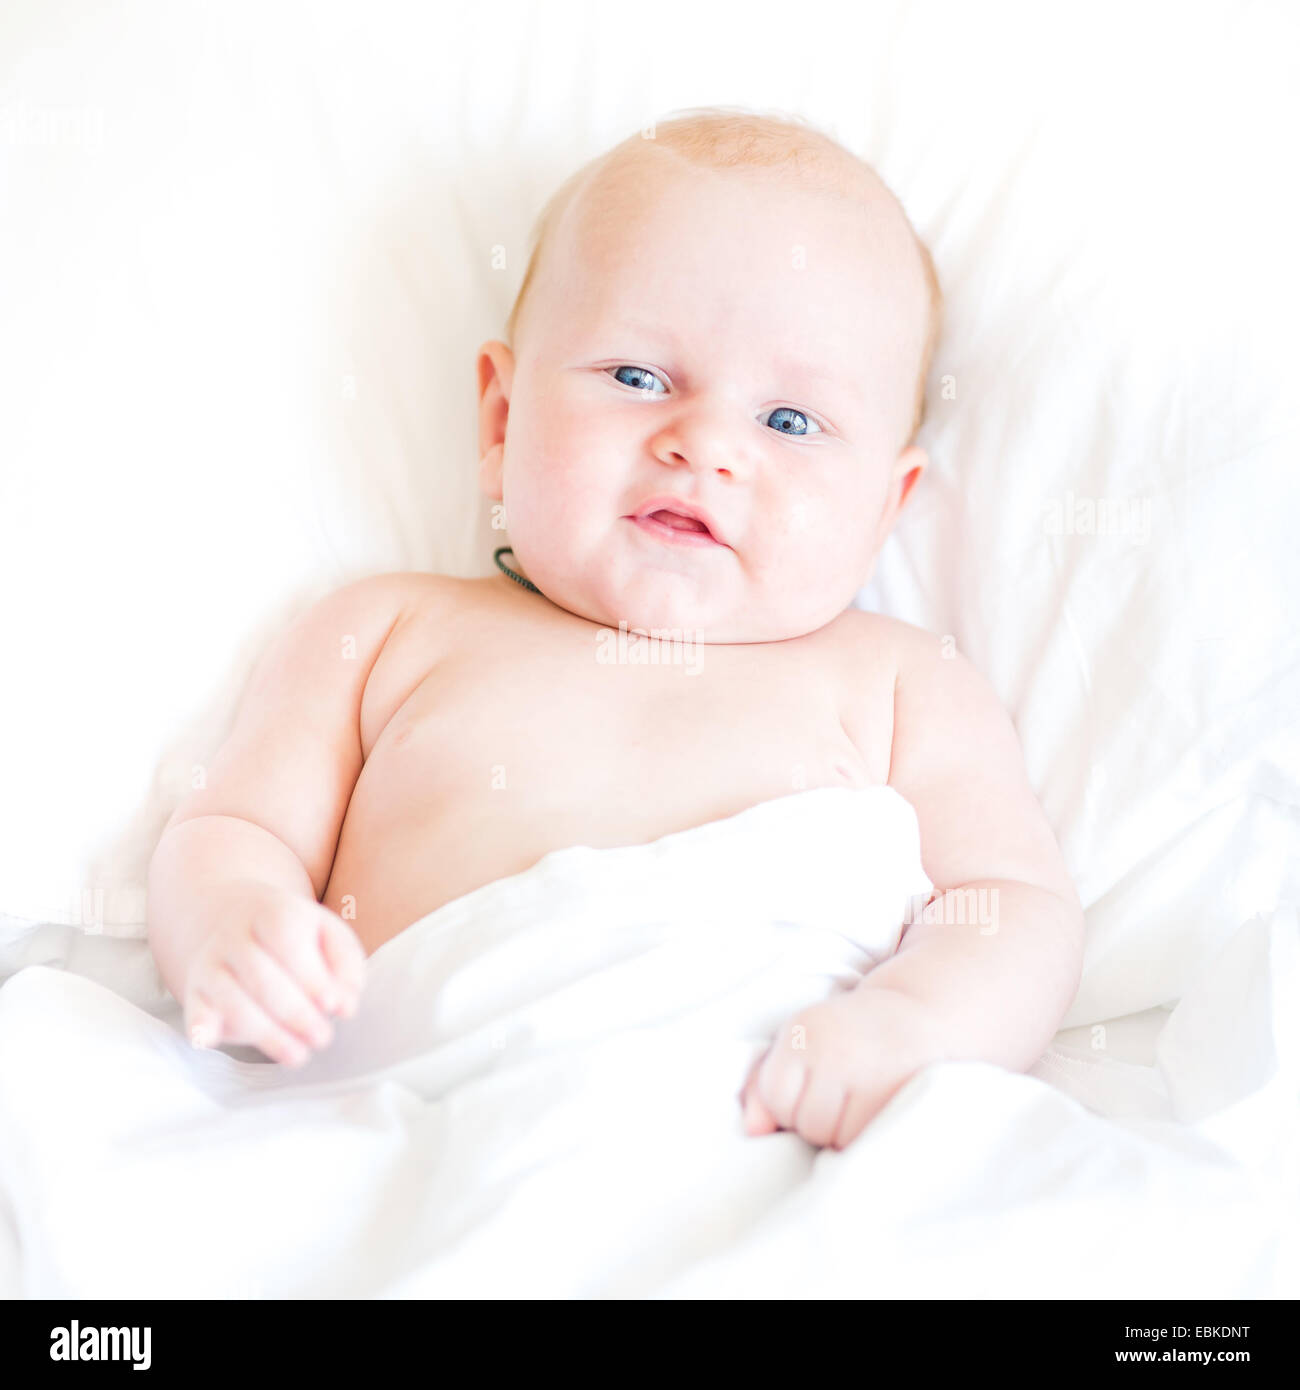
x,y
651,330
788,369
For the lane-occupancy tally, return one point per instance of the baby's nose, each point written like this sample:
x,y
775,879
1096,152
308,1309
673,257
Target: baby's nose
x,y
706,442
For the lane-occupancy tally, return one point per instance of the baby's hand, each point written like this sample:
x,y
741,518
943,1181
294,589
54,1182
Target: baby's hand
x,y
834,1066
271,972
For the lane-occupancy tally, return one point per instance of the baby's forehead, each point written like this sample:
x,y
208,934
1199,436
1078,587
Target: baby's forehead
x,y
653,214
634,183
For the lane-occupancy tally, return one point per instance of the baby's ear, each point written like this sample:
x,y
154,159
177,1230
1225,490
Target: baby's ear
x,y
911,463
904,476
496,370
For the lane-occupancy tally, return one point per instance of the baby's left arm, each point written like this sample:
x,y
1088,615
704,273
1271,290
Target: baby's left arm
x,y
987,971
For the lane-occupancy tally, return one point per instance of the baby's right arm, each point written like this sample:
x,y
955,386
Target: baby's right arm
x,y
235,919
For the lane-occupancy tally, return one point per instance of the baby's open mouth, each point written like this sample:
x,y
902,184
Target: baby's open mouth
x,y
687,524
678,522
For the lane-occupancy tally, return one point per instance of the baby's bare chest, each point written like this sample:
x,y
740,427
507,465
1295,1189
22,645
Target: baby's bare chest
x,y
504,750
622,723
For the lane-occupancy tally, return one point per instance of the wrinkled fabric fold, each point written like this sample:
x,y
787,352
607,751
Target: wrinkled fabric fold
x,y
538,1098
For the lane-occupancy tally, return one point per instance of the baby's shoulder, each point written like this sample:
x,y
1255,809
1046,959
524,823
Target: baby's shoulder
x,y
862,638
413,612
424,614
923,665
882,661
400,594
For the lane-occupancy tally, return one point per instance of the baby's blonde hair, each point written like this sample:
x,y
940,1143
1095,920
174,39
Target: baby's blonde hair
x,y
721,137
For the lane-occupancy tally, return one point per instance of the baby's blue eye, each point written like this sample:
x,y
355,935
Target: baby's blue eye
x,y
636,371
796,423
788,420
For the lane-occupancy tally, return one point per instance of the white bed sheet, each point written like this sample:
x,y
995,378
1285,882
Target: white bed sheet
x,y
310,196
538,1098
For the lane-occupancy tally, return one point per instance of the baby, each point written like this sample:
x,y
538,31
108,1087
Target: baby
x,y
703,425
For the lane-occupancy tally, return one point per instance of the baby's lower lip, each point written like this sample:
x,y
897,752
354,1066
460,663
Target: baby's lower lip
x,y
672,535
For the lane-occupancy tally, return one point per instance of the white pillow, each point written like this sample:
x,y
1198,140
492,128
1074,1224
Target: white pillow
x,y
1107,529
253,256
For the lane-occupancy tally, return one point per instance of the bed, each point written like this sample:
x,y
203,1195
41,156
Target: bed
x,y
253,255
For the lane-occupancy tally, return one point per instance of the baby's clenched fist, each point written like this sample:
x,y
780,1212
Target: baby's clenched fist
x,y
834,1067
271,974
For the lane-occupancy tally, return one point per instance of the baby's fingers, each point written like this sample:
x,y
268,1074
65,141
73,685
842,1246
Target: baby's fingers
x,y
203,1022
780,1083
858,1109
242,1020
345,957
821,1107
270,986
755,1118
292,941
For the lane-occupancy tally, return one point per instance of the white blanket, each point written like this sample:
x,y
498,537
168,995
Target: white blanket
x,y
539,1097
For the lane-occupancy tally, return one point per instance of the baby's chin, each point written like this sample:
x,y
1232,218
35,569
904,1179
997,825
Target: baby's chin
x,y
642,603
664,602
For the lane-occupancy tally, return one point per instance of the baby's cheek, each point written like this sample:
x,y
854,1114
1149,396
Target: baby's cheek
x,y
814,544
573,455
542,478
794,557
803,522
802,516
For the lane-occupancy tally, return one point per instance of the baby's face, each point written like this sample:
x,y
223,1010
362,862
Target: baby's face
x,y
726,343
